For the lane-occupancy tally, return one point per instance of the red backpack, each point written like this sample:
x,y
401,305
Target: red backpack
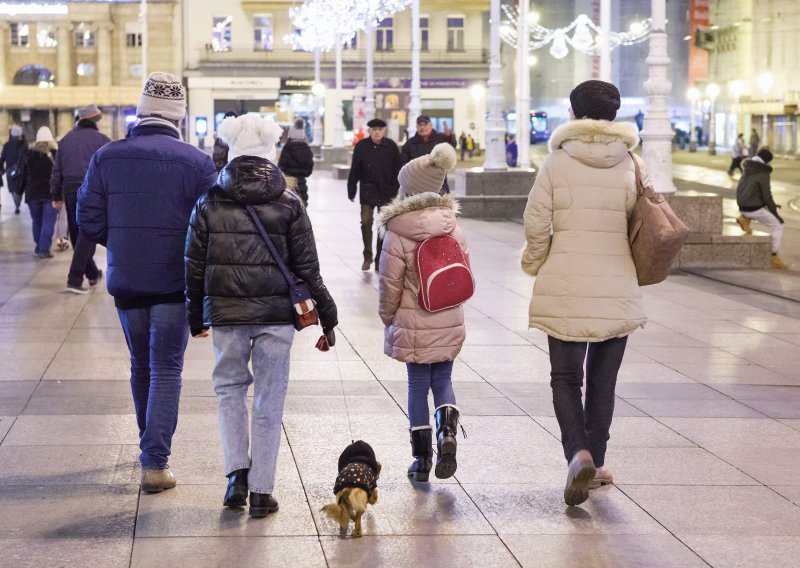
x,y
445,279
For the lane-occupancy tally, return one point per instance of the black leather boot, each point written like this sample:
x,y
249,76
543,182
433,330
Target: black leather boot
x,y
262,504
422,450
446,430
236,494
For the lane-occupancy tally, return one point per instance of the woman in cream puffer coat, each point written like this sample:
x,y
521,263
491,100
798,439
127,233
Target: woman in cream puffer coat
x,y
586,296
427,342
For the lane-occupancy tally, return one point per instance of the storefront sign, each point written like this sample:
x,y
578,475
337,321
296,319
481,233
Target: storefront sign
x,y
398,83
32,9
297,85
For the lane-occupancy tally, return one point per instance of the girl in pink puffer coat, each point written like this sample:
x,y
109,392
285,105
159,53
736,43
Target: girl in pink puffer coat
x,y
427,342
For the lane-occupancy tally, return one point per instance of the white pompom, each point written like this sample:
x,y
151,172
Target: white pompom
x,y
444,156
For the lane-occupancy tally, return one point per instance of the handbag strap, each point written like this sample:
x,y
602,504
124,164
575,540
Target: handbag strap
x,y
640,189
270,245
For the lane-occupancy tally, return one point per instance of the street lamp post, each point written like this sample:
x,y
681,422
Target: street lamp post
x,y
415,104
765,83
338,112
317,91
712,91
145,40
523,89
495,148
693,95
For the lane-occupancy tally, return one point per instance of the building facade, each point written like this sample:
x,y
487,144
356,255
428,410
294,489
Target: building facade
x,y
236,59
755,60
60,56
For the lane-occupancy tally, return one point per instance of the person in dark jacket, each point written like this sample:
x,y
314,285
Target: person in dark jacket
x,y
423,142
36,170
297,159
136,201
373,172
11,163
754,198
75,151
234,284
220,152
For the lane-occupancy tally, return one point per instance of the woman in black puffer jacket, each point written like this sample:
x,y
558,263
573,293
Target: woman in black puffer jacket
x,y
297,159
37,165
234,285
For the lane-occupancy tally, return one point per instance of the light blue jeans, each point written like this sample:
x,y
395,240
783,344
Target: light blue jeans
x,y
268,346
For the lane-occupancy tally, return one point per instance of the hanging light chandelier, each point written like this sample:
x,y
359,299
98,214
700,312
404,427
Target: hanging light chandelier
x,y
585,35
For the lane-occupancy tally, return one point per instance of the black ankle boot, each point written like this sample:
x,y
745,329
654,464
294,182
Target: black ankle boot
x,y
262,504
422,450
236,494
446,430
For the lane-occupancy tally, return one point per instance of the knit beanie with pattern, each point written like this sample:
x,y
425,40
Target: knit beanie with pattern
x,y
163,96
427,173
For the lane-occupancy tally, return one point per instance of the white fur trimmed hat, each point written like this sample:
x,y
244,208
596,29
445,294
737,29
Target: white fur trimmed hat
x,y
250,135
164,96
427,173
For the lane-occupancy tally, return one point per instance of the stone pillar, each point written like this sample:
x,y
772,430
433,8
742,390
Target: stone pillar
x,y
415,104
104,55
523,88
317,129
495,129
657,133
338,124
369,99
4,79
65,121
64,68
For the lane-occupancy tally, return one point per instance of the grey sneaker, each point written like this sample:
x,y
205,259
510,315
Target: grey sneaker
x,y
601,477
76,289
580,473
157,480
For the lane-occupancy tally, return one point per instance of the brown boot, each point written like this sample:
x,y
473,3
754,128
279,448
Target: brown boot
x,y
744,223
366,264
157,480
580,473
778,263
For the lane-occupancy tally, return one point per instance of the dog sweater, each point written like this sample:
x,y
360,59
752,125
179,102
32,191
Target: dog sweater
x,y
356,474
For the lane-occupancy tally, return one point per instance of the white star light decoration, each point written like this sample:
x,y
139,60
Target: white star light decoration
x,y
582,39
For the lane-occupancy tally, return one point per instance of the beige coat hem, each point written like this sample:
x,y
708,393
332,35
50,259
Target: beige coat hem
x,y
552,333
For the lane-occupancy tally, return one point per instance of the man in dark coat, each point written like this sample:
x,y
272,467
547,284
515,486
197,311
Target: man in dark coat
x,y
137,199
69,168
297,159
376,163
11,160
423,142
755,201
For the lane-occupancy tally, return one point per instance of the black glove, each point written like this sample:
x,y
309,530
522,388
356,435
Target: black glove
x,y
780,219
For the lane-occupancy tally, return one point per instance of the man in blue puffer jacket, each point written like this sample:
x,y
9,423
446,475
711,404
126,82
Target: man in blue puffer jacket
x,y
136,200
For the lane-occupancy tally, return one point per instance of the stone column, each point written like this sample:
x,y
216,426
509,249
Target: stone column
x,y
338,124
104,55
369,99
495,129
317,129
64,68
4,79
415,104
64,122
523,88
657,133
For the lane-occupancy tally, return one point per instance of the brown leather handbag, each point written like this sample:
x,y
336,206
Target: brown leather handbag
x,y
655,233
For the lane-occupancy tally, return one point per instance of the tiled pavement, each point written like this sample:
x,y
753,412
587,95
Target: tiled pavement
x,y
705,446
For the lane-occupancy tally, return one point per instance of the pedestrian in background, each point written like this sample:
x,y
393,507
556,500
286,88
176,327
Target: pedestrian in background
x,y
427,342
424,141
755,201
470,145
511,151
462,144
220,152
297,159
586,297
737,155
373,174
11,159
754,142
136,201
72,160
234,285
37,168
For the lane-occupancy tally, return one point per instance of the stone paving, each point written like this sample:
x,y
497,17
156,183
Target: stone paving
x,y
705,445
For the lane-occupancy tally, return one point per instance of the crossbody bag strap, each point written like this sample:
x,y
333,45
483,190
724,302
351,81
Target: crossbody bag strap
x,y
270,245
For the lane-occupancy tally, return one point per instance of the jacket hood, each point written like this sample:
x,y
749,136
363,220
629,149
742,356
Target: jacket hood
x,y
250,180
420,216
596,143
753,167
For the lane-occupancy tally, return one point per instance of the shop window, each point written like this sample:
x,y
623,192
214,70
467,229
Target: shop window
x,y
455,33
133,40
221,33
20,34
84,36
385,35
423,32
46,36
262,29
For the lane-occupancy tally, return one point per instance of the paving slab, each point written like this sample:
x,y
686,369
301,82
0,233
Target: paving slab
x,y
66,552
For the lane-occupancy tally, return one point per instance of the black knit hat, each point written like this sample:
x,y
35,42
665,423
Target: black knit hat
x,y
765,155
595,99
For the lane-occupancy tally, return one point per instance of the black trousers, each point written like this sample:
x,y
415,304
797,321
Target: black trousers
x,y
585,426
736,164
83,249
367,220
301,189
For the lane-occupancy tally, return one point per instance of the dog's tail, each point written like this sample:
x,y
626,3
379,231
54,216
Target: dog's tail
x,y
347,500
337,513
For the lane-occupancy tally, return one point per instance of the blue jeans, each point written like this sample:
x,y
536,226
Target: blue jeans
x,y
157,338
44,216
268,346
585,427
422,378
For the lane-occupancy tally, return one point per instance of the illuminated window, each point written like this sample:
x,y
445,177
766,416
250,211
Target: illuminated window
x,y
221,33
85,70
84,36
352,44
385,35
455,33
423,32
262,29
20,34
133,40
46,36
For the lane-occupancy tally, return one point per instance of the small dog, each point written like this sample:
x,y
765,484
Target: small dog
x,y
356,486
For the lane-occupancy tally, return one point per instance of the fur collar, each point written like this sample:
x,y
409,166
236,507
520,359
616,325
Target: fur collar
x,y
416,203
595,131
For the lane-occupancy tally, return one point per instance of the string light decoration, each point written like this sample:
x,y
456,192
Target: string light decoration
x,y
320,22
586,35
